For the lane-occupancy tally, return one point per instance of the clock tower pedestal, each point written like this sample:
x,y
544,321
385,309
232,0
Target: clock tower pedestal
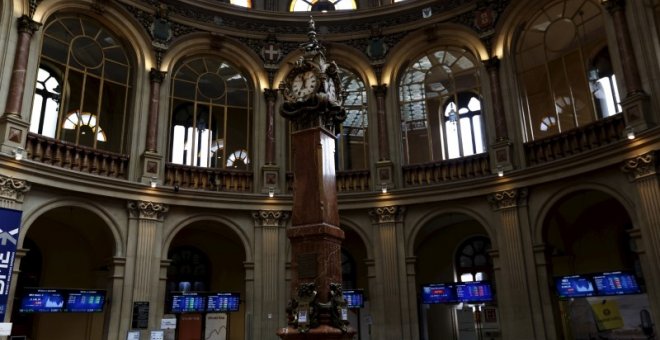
x,y
317,309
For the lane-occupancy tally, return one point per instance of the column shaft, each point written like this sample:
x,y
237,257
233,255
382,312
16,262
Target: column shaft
x,y
383,139
26,28
271,96
156,78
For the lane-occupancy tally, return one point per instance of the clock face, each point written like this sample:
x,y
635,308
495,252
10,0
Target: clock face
x,y
304,84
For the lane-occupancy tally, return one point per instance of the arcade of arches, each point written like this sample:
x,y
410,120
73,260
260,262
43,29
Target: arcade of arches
x,y
506,142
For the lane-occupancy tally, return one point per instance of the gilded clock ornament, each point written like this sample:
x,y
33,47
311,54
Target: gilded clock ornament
x,y
312,89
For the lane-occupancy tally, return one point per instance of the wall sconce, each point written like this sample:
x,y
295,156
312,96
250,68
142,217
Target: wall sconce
x,y
383,188
271,192
18,154
630,132
500,171
153,182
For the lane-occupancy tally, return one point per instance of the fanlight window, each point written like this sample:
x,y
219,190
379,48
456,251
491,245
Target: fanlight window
x,y
472,261
83,85
306,5
211,115
441,108
564,69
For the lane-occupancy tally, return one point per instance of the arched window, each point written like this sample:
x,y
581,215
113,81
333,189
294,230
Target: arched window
x,y
353,143
472,261
211,115
306,5
440,102
564,69
83,85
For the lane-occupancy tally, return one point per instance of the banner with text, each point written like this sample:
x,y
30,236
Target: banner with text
x,y
10,222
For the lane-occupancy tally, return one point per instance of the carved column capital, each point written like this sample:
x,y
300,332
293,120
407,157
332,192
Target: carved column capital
x,y
27,25
493,64
156,76
270,95
13,189
640,166
147,210
391,214
380,90
508,199
270,218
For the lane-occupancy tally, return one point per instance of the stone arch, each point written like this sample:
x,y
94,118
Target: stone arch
x,y
555,197
234,227
30,216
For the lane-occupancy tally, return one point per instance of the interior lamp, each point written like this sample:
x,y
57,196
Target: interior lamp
x,y
153,182
271,191
18,153
630,132
500,171
383,188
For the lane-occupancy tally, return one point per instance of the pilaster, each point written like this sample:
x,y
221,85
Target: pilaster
x,y
642,171
389,270
116,286
150,217
516,312
270,257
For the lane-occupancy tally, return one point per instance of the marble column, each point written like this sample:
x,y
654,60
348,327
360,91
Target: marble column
x,y
515,307
271,97
500,154
390,269
156,78
642,172
26,28
270,240
384,167
149,216
13,129
635,102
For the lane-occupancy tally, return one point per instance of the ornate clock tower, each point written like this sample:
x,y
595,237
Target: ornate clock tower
x,y
313,103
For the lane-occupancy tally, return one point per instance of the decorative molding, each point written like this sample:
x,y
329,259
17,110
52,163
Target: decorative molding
x,y
391,214
640,166
270,218
156,76
147,210
508,199
13,189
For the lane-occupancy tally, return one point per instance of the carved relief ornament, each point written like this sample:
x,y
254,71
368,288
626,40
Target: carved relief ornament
x,y
389,214
640,166
13,189
270,217
147,210
508,199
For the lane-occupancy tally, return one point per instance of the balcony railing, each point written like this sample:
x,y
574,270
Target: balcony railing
x,y
198,178
75,157
576,141
347,181
448,170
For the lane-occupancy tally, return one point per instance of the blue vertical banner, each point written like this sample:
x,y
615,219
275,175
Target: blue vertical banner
x,y
10,223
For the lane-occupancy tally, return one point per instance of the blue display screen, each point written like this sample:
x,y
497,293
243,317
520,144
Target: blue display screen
x,y
616,283
42,301
474,292
188,303
85,301
354,298
574,286
438,293
223,302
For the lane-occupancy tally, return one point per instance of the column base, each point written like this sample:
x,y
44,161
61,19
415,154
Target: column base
x,y
321,332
